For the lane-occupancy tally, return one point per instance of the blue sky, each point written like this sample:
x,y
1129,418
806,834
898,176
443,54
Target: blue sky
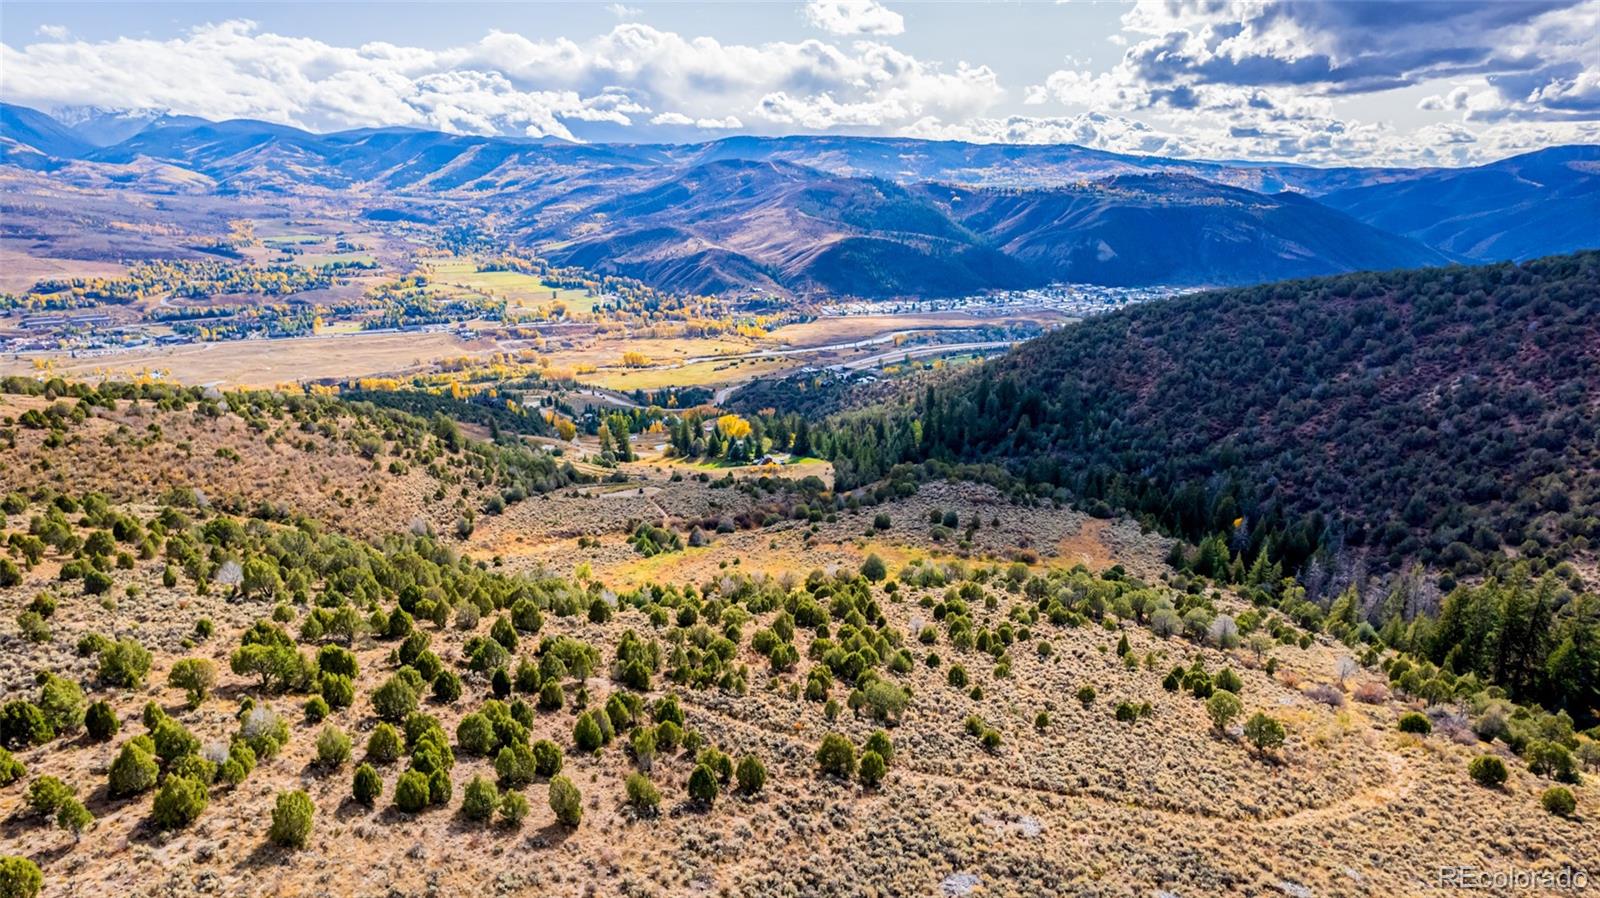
x,y
1408,81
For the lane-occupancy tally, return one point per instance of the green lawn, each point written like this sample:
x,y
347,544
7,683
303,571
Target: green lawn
x,y
521,291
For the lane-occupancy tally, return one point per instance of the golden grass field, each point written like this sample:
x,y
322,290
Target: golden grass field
x,y
20,270
521,291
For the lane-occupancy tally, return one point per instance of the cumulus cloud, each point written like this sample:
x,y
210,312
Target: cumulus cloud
x,y
1348,46
1272,80
1269,75
854,17
504,83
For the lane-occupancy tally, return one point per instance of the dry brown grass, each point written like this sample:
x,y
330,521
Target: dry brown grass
x,y
1087,806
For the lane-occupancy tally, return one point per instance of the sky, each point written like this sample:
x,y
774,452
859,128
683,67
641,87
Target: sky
x,y
1396,82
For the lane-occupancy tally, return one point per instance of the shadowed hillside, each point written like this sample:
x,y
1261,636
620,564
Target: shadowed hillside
x,y
1447,415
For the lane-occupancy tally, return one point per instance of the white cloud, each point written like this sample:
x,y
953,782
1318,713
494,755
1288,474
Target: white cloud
x,y
854,17
1455,99
503,83
623,11
1273,81
54,32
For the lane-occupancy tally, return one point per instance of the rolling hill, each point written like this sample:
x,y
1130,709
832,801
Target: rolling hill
x,y
1174,228
1518,208
864,216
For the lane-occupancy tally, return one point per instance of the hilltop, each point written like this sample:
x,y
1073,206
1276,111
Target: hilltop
x,y
628,686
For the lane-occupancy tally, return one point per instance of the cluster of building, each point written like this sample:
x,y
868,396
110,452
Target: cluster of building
x,y
1076,300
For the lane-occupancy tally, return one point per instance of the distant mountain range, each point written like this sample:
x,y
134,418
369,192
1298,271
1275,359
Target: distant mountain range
x,y
858,216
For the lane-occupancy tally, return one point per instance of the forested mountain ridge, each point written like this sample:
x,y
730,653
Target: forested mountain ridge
x,y
1418,451
1447,416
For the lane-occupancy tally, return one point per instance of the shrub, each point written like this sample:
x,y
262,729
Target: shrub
x,y
73,817
101,722
475,734
880,742
513,809
1227,679
1413,722
333,746
173,740
1487,770
1559,801
22,724
1326,694
338,691
1371,693
135,769
384,745
411,791
46,794
837,756
264,730
19,878
1223,706
195,767
367,785
874,569
565,801
1086,695
480,799
11,769
669,736
873,767
751,774
124,663
643,795
718,763
394,699
550,695
61,702
546,757
240,762
291,819
195,676
1550,759
447,687
96,582
179,801
884,700
586,733
514,765
316,709
703,786
439,786
1263,732
332,659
